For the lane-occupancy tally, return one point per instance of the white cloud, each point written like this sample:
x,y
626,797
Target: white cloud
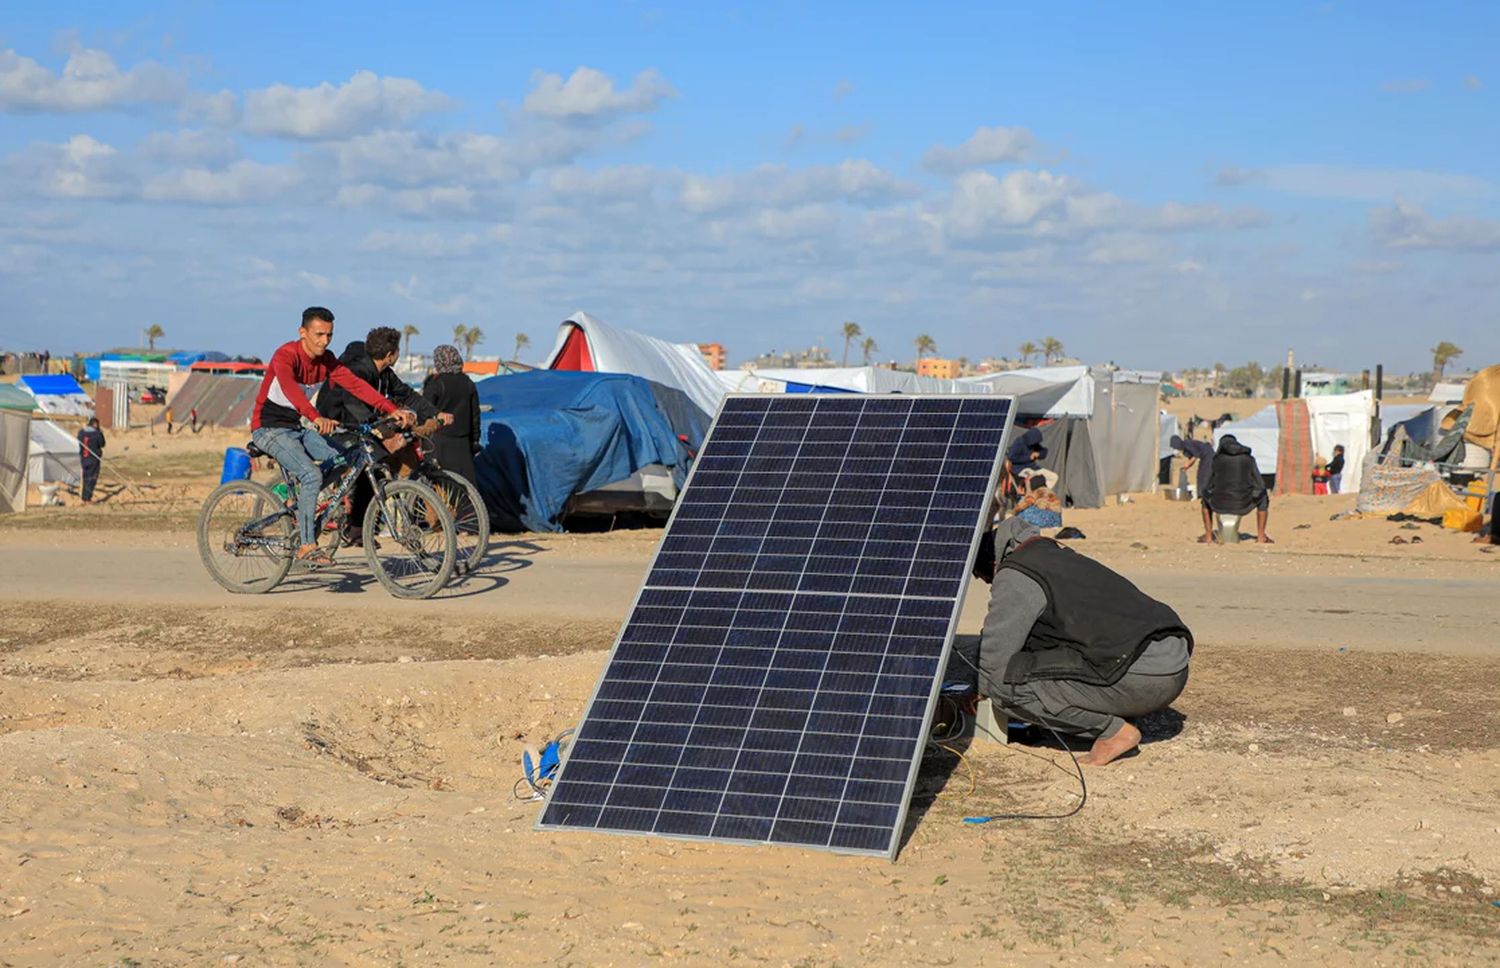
x,y
1127,249
222,109
1473,83
620,182
90,81
190,147
1040,203
1359,184
81,167
363,103
1406,226
591,94
843,89
241,183
855,181
406,158
986,146
434,245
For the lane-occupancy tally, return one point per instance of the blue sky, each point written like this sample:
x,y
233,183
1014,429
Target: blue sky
x,y
1157,184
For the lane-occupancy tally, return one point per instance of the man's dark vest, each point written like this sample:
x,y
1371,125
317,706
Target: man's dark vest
x,y
1096,622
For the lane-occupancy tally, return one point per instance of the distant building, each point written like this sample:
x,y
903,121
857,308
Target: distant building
x,y
813,357
938,369
714,355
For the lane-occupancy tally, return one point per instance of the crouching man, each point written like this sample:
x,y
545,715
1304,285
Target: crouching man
x,y
1070,644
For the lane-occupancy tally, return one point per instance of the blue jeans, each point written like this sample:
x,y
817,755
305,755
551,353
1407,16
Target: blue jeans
x,y
1335,482
302,452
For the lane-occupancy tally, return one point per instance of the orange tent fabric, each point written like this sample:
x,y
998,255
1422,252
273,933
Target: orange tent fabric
x,y
1483,392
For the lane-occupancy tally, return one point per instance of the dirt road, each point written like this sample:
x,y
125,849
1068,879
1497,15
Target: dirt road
x,y
583,580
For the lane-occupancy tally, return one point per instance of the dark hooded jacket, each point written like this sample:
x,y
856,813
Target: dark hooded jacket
x,y
1095,623
1019,452
345,407
1236,486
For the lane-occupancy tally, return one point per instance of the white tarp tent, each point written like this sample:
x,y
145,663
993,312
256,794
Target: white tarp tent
x,y
1170,427
1343,419
1447,393
855,379
1261,432
53,455
1049,391
587,343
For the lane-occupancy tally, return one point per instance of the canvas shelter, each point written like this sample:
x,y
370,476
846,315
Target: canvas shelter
x,y
589,345
58,394
1101,428
52,455
1261,432
221,399
15,447
549,438
1336,419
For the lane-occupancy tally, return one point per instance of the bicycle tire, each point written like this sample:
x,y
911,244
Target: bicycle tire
x,y
261,503
398,528
471,519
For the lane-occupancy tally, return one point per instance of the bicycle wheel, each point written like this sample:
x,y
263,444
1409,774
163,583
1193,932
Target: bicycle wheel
x,y
409,539
244,560
471,519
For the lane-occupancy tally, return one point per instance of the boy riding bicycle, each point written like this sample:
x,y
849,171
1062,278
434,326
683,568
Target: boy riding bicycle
x,y
296,371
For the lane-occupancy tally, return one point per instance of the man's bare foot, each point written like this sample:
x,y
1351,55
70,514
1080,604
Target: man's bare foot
x,y
1262,539
1108,750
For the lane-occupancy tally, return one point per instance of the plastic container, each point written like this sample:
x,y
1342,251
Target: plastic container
x,y
236,465
1462,519
1476,493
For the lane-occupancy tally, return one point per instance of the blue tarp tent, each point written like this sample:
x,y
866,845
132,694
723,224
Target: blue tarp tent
x,y
56,385
551,434
189,357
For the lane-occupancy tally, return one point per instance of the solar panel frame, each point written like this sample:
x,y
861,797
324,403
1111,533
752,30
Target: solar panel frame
x,y
893,845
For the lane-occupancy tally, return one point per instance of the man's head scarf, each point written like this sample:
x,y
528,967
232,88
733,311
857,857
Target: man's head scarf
x,y
446,359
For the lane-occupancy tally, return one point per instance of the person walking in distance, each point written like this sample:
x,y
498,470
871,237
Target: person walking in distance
x,y
90,456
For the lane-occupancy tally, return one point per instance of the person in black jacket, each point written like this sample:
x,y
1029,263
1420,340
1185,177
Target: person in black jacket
x,y
1335,470
372,360
1236,486
449,389
90,456
1068,643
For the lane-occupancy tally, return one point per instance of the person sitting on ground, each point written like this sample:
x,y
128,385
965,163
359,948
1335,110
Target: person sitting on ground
x,y
372,359
1040,505
1199,454
1071,645
297,370
1335,470
90,456
1237,487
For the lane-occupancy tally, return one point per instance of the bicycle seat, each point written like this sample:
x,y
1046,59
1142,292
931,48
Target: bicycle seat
x,y
255,451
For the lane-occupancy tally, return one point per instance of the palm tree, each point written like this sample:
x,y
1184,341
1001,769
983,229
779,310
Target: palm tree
x,y
155,332
521,340
1027,350
459,332
851,333
1219,369
1442,355
407,332
925,344
473,336
868,346
1052,349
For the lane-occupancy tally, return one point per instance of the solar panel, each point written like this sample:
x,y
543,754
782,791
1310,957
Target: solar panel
x,y
776,675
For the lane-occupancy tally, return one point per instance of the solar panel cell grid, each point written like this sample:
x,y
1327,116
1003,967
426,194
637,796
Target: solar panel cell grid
x,y
774,678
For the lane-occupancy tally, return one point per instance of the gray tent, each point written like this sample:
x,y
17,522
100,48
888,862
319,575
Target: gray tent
x,y
1102,427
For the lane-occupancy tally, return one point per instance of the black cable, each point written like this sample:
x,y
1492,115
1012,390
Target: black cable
x,y
1083,785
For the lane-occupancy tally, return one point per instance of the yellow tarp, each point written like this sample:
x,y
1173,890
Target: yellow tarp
x,y
1434,501
1484,393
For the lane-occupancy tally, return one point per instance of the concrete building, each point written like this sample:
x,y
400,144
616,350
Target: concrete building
x,y
714,355
939,369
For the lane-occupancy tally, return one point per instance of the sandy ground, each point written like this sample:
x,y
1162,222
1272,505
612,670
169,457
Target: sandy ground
x,y
323,775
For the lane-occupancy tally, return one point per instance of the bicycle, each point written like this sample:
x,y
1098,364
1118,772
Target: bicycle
x,y
471,519
247,535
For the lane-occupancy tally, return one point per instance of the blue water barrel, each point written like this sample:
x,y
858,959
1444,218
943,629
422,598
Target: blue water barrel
x,y
236,465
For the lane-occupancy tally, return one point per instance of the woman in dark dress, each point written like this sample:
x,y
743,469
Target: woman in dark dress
x,y
450,390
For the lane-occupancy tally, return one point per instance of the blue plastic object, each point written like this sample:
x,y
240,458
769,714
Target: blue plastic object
x,y
236,465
